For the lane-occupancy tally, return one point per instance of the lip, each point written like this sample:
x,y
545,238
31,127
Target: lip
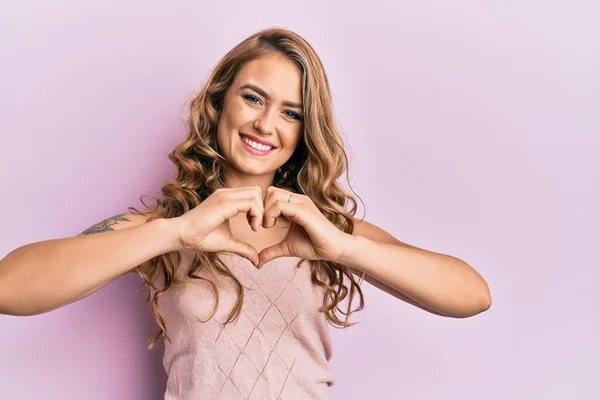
x,y
251,149
257,140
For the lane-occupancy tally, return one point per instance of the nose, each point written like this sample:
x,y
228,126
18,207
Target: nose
x,y
265,123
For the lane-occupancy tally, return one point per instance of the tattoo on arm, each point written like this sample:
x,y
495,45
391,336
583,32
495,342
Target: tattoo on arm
x,y
105,225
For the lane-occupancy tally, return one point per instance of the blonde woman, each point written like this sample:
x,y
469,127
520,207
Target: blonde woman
x,y
254,248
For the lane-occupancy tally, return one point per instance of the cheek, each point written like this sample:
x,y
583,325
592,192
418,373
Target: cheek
x,y
222,135
236,116
229,121
293,138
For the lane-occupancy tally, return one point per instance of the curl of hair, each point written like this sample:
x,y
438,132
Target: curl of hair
x,y
313,170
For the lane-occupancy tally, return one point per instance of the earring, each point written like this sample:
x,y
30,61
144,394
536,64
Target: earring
x,y
283,173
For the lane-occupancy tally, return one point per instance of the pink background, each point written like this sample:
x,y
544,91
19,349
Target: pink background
x,y
474,130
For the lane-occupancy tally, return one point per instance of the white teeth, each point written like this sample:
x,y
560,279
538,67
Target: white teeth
x,y
257,146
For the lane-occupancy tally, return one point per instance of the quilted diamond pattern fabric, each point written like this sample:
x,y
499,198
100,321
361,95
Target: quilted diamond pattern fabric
x,y
278,348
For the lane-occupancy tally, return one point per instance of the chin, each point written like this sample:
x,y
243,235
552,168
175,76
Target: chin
x,y
252,170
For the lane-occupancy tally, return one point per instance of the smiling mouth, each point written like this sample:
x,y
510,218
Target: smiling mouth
x,y
255,147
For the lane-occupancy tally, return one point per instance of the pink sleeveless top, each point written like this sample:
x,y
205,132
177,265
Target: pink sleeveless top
x,y
278,348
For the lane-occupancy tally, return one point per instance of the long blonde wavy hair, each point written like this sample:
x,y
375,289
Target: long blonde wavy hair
x,y
313,170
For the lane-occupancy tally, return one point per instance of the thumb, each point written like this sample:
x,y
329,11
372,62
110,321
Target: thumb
x,y
280,249
244,250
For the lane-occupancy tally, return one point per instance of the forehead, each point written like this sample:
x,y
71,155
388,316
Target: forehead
x,y
276,74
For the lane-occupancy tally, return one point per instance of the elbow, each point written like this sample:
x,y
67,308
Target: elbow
x,y
484,301
479,302
484,298
478,298
3,303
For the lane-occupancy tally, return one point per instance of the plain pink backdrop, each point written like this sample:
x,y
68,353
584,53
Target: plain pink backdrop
x,y
473,130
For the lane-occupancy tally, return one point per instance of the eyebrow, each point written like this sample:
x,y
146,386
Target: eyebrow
x,y
265,95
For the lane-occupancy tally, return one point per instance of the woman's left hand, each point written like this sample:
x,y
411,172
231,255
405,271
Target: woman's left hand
x,y
311,235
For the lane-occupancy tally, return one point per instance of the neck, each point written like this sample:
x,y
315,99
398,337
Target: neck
x,y
236,179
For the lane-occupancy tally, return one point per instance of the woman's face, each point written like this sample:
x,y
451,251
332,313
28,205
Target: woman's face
x,y
261,119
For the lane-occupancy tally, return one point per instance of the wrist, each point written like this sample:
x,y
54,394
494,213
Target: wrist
x,y
169,231
350,250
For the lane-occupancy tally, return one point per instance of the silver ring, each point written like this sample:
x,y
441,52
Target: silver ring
x,y
290,198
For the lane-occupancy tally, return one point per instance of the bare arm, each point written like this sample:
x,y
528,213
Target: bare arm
x,y
42,276
438,283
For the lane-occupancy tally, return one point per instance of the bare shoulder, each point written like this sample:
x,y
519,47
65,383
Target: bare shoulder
x,y
373,232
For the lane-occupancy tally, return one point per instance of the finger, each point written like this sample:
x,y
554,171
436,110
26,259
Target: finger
x,y
275,196
296,212
270,216
251,206
251,220
254,213
270,253
232,208
243,249
258,210
223,194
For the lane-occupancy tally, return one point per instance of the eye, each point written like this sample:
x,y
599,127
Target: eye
x,y
251,99
294,115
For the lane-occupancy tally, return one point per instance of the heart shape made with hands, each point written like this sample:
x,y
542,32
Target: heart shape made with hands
x,y
310,236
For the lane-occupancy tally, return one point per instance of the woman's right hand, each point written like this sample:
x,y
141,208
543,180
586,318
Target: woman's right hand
x,y
206,227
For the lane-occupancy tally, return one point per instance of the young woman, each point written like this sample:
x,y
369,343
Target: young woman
x,y
254,246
